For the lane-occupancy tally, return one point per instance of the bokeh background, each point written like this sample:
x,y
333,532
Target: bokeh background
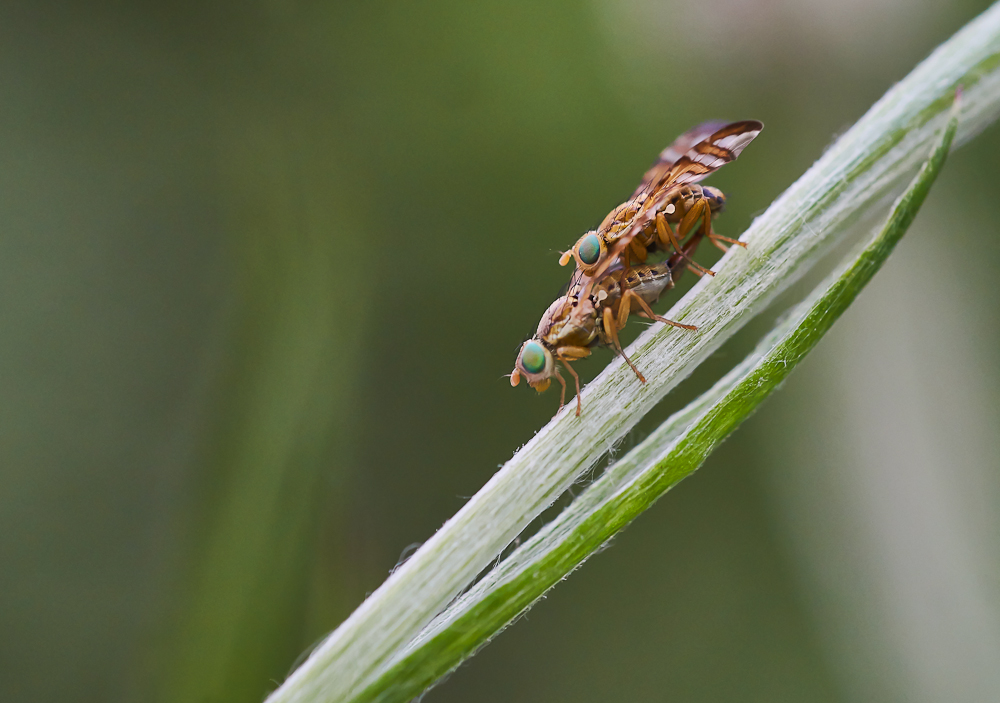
x,y
263,267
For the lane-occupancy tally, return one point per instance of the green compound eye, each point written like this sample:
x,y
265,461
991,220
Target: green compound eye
x,y
589,249
533,357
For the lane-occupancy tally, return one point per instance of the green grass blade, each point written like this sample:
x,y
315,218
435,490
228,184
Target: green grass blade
x,y
673,452
863,168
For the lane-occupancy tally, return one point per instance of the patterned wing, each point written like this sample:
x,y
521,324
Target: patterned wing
x,y
716,150
669,156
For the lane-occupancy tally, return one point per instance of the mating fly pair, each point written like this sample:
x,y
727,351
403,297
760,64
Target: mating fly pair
x,y
606,285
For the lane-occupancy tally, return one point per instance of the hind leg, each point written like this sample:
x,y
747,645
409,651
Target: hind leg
x,y
704,210
667,236
717,238
629,296
611,331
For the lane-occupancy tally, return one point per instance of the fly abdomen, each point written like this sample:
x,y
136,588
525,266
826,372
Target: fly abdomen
x,y
649,282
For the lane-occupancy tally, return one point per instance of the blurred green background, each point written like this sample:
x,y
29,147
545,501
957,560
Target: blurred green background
x,y
263,267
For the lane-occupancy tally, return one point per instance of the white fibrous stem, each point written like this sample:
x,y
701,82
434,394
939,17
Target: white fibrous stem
x,y
866,166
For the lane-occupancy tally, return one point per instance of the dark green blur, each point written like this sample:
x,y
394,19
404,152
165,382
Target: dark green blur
x,y
263,270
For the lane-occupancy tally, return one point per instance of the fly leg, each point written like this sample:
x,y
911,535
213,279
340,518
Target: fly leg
x,y
713,237
666,235
703,209
562,392
635,248
565,355
638,250
626,303
611,331
626,260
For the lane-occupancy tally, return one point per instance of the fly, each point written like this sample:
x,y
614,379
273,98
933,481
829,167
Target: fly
x,y
668,195
592,313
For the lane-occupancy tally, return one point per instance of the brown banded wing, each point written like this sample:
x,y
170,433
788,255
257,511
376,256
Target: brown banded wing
x,y
701,159
669,156
625,212
716,150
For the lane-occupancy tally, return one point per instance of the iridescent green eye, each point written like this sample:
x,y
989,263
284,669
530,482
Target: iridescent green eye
x,y
589,249
533,357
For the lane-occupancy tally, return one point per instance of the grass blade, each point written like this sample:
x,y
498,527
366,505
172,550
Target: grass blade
x,y
860,170
670,454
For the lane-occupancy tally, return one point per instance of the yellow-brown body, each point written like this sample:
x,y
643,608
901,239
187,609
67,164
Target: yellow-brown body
x,y
668,196
593,314
675,206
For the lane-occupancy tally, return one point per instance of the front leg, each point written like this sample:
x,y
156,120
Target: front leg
x,y
638,250
713,237
565,355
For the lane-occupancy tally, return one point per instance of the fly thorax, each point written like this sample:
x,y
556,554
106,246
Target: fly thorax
x,y
606,292
689,196
581,322
571,322
555,312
